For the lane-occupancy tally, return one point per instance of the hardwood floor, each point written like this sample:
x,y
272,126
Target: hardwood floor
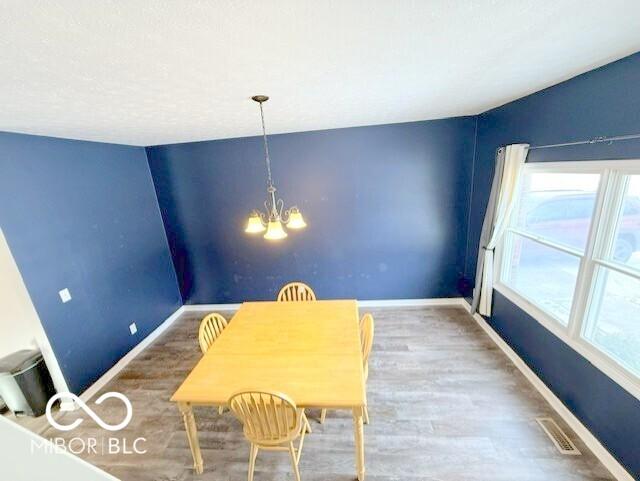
x,y
444,402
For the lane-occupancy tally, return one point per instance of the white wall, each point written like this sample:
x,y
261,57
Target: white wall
x,y
16,319
30,458
20,326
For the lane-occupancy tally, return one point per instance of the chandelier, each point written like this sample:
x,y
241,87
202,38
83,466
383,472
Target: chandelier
x,y
273,217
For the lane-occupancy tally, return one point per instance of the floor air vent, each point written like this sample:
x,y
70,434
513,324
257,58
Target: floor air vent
x,y
557,435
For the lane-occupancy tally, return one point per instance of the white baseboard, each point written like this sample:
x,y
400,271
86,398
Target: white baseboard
x,y
120,365
210,307
606,458
67,405
444,301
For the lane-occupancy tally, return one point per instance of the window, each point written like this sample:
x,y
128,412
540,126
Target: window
x,y
532,265
613,316
571,258
548,238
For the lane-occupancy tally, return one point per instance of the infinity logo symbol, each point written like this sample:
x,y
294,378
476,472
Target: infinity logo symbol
x,y
89,411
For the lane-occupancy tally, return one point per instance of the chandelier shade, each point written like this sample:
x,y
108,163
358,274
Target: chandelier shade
x,y
296,221
254,224
273,217
275,231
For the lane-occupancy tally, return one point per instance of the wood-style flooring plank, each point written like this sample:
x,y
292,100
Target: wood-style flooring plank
x,y
445,405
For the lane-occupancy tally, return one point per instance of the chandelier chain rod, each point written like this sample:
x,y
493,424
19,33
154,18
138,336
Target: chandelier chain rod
x,y
274,215
266,147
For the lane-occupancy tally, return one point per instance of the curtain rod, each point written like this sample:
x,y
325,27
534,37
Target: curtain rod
x,y
595,140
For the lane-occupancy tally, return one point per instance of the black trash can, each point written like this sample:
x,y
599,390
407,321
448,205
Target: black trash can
x,y
25,383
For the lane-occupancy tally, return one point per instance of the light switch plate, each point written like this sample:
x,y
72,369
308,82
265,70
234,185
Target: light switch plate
x,y
65,295
133,328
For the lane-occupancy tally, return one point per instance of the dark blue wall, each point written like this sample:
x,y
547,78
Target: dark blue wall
x,y
605,101
607,410
84,216
386,208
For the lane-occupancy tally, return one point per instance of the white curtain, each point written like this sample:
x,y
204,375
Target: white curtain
x,y
508,173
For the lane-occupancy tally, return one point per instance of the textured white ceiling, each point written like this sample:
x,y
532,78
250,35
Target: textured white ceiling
x,y
147,72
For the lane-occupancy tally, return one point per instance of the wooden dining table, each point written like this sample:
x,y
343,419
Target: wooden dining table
x,y
310,351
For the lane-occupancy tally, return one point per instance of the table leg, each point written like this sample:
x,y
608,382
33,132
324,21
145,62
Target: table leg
x,y
192,435
359,437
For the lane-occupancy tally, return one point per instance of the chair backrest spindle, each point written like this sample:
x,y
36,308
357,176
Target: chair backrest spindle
x,y
296,292
268,417
210,329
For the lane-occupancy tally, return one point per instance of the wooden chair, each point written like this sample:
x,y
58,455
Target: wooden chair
x,y
296,292
210,329
271,421
366,340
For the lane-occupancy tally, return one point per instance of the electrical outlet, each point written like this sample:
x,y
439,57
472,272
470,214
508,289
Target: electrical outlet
x,y
65,295
133,328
